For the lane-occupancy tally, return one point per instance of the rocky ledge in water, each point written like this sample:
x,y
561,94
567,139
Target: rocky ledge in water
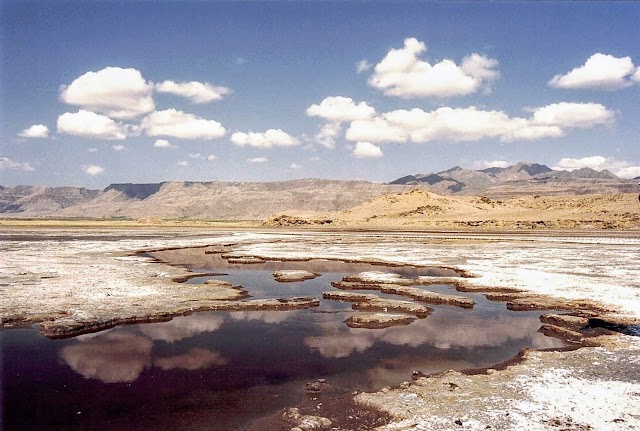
x,y
394,284
370,302
523,301
378,320
285,276
71,327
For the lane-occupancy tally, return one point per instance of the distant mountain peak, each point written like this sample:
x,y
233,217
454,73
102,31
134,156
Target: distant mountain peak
x,y
532,168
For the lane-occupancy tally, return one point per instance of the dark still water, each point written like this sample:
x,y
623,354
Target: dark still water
x,y
219,371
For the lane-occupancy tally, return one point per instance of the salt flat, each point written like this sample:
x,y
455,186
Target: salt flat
x,y
91,275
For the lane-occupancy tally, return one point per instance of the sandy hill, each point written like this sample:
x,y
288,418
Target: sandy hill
x,y
422,209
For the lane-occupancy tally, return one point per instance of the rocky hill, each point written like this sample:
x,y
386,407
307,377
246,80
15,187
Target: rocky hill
x,y
190,200
42,200
519,179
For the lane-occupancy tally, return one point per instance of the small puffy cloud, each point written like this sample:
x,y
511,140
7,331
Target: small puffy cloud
x,y
35,131
338,108
328,134
118,147
636,76
295,166
7,163
92,150
240,60
258,160
593,162
270,138
485,164
93,170
564,114
600,72
183,163
196,156
91,125
162,143
629,172
620,168
404,74
197,92
367,150
181,125
113,91
363,66
211,157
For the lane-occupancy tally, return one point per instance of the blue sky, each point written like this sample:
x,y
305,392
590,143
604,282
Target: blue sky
x,y
101,92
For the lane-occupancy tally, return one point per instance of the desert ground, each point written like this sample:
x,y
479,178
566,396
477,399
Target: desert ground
x,y
420,209
71,280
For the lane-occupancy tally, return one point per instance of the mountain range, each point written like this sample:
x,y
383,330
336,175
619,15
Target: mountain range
x,y
518,179
253,201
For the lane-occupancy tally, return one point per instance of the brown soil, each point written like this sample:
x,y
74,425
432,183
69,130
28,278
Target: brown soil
x,y
422,209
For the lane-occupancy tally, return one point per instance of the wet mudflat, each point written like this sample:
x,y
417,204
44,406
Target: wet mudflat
x,y
227,370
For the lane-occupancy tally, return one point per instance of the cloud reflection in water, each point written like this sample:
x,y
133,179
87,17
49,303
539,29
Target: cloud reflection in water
x,y
111,358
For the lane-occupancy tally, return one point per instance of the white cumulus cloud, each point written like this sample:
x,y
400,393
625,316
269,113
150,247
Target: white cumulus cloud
x,y
113,91
270,138
93,169
621,168
211,157
295,166
178,124
376,130
162,143
91,125
197,92
564,114
183,163
403,73
258,160
367,150
35,131
118,147
600,72
471,124
7,163
338,108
